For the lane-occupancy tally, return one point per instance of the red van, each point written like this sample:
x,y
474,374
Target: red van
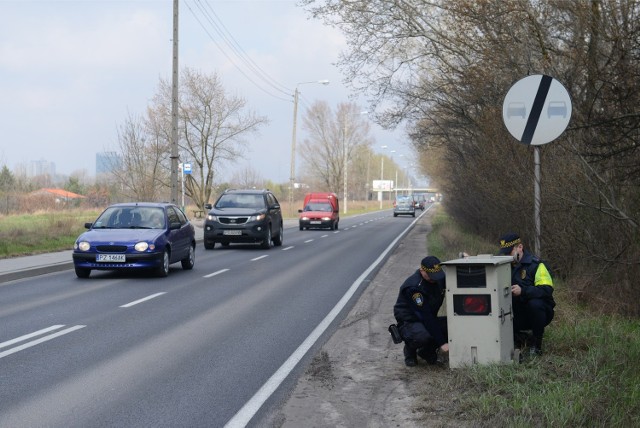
x,y
320,210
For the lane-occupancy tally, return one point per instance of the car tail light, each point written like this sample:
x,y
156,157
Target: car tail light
x,y
472,304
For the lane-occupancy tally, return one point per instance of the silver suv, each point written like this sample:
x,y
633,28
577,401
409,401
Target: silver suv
x,y
244,216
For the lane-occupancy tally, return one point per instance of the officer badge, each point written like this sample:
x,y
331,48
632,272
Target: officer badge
x,y
417,298
523,273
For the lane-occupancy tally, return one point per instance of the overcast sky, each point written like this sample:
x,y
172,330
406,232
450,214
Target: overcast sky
x,y
70,71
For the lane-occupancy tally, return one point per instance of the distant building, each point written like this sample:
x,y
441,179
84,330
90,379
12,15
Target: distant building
x,y
107,162
58,195
41,167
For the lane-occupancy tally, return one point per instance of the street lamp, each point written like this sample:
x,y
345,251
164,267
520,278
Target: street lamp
x,y
346,162
293,141
381,175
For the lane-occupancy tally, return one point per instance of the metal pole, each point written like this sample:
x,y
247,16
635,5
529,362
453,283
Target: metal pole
x,y
174,109
345,163
381,179
182,180
536,192
293,152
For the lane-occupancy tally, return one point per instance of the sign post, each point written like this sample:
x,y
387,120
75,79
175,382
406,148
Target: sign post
x,y
186,169
536,110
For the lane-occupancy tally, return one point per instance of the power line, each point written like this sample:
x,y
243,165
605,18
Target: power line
x,y
231,59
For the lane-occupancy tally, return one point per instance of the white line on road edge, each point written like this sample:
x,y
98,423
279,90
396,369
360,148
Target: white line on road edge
x,y
216,273
30,335
42,339
251,407
144,299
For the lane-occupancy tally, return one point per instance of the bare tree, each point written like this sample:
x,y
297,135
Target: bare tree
x,y
141,173
247,178
444,67
332,139
213,126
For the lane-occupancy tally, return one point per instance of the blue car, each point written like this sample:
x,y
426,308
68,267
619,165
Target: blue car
x,y
137,235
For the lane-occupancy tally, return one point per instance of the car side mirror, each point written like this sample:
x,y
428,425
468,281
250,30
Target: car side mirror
x,y
175,225
88,225
207,206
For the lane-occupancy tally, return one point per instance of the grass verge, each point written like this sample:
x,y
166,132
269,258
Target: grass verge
x,y
41,232
587,376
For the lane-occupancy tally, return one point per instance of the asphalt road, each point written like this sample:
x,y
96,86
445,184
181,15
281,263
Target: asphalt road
x,y
223,343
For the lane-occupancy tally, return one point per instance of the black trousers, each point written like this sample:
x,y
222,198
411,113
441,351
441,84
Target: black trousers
x,y
416,335
534,315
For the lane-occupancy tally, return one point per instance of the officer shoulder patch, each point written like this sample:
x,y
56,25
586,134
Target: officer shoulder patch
x,y
418,299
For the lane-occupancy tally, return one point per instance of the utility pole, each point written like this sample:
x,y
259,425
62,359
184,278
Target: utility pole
x,y
174,109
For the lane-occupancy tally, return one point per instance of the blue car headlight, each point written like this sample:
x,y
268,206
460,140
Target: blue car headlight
x,y
141,246
82,246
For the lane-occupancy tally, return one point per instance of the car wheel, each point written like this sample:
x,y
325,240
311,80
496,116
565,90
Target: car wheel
x,y
83,272
395,215
266,243
337,224
190,260
413,215
163,270
277,241
209,245
301,228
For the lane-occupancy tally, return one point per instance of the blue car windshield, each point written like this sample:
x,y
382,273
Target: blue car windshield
x,y
133,217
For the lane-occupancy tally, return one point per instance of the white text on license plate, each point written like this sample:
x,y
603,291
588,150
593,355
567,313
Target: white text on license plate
x,y
232,232
110,258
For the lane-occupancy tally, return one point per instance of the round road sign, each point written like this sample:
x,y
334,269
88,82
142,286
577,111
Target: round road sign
x,y
537,109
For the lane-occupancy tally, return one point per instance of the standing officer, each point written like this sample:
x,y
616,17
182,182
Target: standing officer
x,y
531,291
416,312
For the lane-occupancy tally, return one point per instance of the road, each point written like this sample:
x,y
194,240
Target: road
x,y
194,349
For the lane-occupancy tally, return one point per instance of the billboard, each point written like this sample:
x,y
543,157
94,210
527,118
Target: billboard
x,y
382,185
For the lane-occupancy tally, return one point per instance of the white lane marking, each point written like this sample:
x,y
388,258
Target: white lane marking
x,y
308,240
41,340
144,299
215,273
258,258
251,407
30,335
288,248
324,236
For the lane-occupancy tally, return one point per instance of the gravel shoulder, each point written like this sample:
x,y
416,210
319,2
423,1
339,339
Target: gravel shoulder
x,y
358,378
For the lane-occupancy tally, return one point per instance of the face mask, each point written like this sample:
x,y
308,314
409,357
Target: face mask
x,y
517,256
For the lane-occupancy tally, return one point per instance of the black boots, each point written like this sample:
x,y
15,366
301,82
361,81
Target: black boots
x,y
429,354
410,359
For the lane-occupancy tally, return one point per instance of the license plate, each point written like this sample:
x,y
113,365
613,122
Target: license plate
x,y
315,222
110,258
232,232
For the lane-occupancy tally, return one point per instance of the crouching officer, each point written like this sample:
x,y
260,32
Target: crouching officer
x,y
416,311
531,291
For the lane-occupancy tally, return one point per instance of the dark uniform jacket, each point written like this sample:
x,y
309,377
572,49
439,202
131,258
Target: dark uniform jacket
x,y
420,301
524,274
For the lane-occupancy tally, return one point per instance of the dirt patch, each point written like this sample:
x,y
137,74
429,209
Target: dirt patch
x,y
358,378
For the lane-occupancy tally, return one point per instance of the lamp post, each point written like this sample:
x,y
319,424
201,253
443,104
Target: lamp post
x,y
345,165
381,175
293,141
